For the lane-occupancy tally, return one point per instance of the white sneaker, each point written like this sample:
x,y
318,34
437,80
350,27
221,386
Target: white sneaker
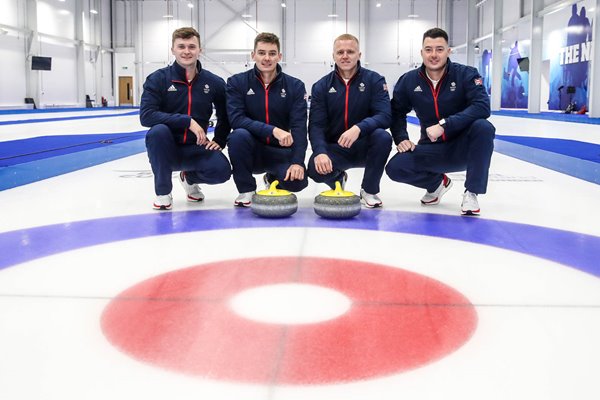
x,y
192,190
434,197
164,202
470,205
370,200
244,199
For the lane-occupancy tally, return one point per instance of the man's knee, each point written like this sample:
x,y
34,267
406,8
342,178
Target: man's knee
x,y
395,168
381,137
239,138
223,173
483,128
218,171
158,133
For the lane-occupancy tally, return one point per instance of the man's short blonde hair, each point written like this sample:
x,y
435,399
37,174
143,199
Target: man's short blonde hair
x,y
347,36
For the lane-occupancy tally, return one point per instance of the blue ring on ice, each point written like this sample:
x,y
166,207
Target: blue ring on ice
x,y
573,249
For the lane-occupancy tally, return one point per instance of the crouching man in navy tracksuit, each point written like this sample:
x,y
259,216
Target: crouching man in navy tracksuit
x,y
349,115
452,106
177,104
267,109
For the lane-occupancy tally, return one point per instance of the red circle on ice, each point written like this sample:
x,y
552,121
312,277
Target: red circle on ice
x,y
182,321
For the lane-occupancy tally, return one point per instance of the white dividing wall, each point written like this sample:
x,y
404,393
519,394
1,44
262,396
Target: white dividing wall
x,y
12,45
12,71
133,38
390,39
57,29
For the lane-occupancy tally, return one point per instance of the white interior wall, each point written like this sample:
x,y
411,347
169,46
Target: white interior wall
x,y
12,48
457,28
12,70
58,87
140,37
390,46
57,19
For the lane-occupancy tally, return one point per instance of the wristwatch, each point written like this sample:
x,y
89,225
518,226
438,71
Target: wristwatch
x,y
442,123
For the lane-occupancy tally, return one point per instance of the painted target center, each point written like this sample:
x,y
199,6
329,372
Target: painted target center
x,y
289,320
290,303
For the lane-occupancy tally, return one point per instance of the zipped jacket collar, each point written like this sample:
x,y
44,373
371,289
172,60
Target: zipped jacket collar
x,y
181,73
259,76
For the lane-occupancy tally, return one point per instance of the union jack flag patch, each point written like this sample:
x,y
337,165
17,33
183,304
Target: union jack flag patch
x,y
478,81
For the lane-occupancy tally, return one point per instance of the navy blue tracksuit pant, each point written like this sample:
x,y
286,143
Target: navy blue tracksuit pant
x,y
249,156
369,151
200,165
425,166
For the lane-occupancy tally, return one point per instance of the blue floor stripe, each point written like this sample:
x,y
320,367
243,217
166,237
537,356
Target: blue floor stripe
x,y
38,120
578,159
61,110
550,116
32,149
29,172
577,250
572,166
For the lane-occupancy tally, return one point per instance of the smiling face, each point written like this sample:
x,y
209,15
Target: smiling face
x,y
266,56
186,51
346,55
435,53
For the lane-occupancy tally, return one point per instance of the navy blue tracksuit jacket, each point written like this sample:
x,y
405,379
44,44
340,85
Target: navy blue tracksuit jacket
x,y
259,109
459,97
336,106
169,99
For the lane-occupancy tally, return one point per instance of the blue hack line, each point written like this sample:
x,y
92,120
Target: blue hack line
x,y
34,120
576,250
61,110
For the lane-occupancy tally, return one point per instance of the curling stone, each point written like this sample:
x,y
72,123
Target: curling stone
x,y
337,203
274,203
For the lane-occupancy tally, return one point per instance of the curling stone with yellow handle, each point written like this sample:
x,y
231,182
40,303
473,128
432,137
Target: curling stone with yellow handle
x,y
337,203
274,203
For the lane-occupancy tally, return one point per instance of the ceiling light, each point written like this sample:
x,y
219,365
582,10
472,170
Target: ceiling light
x,y
167,16
190,5
413,16
332,15
378,5
283,5
246,16
93,11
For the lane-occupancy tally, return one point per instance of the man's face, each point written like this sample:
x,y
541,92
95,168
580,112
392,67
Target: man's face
x,y
435,53
266,56
186,51
346,54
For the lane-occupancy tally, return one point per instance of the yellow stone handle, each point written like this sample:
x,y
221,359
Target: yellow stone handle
x,y
337,192
273,191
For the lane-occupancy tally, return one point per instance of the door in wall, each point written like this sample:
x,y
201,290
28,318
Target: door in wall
x,y
126,91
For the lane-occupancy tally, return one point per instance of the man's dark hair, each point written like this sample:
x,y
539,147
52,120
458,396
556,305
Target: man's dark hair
x,y
435,33
267,37
185,33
